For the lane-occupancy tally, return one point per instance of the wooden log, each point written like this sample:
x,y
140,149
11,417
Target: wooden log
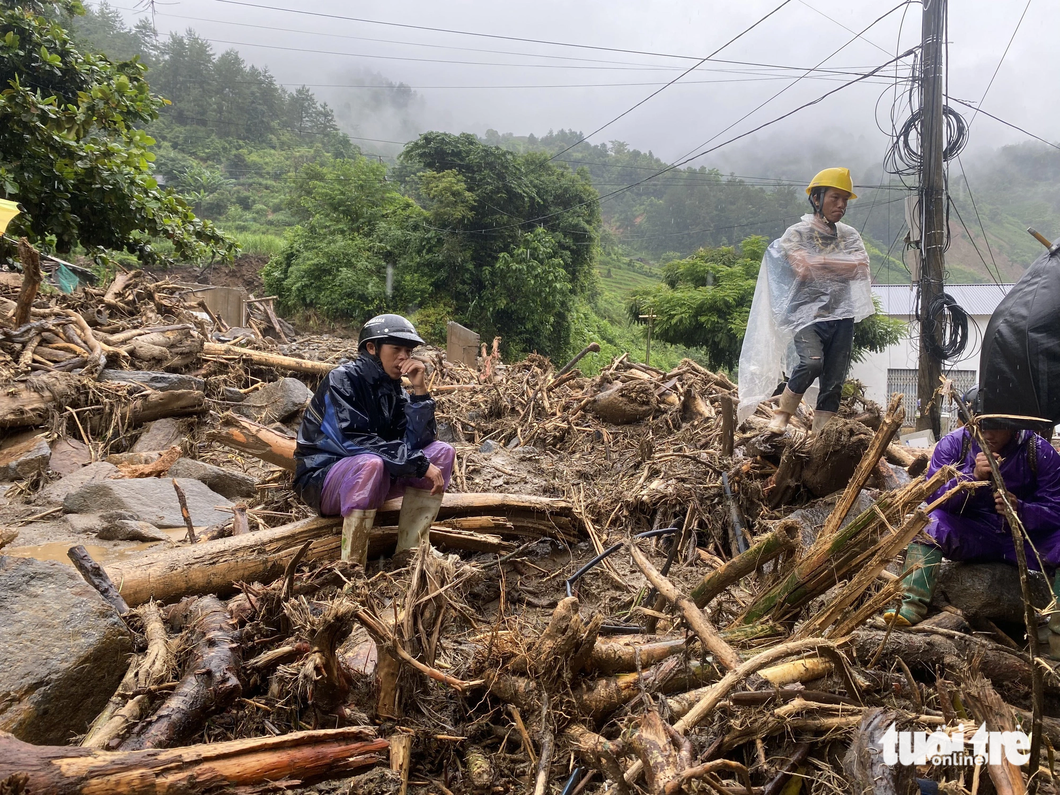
x,y
31,278
155,406
29,402
96,577
783,538
209,686
263,359
121,279
257,440
728,424
206,768
124,710
892,421
716,692
692,615
625,403
929,650
863,763
614,657
215,566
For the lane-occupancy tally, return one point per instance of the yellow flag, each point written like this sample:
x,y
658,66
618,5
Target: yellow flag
x,y
8,210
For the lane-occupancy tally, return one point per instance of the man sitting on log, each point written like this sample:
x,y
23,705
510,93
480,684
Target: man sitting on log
x,y
365,439
970,526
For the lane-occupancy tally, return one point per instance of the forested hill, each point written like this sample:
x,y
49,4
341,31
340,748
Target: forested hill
x,y
232,136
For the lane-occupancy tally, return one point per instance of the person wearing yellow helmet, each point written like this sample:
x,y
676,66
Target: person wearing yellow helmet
x,y
812,288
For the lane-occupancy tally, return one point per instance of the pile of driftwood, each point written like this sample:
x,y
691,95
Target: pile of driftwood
x,y
623,597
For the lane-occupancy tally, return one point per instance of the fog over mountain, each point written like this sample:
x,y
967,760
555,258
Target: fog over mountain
x,y
459,82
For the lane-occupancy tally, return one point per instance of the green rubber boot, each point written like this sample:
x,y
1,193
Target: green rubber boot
x,y
920,574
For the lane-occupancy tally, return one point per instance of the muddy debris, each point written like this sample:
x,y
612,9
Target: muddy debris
x,y
629,593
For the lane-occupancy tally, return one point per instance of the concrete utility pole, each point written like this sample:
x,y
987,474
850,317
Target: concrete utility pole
x,y
932,210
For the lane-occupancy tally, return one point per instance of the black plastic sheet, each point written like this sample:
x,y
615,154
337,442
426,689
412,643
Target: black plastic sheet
x,y
1019,367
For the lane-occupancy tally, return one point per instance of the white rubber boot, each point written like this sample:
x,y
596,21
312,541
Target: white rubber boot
x,y
355,530
419,509
789,404
820,419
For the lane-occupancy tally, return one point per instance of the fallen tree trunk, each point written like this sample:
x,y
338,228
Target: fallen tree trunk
x,y
206,768
209,685
215,566
928,649
263,359
246,436
29,402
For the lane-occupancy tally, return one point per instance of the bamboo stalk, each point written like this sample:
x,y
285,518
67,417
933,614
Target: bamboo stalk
x,y
780,540
892,421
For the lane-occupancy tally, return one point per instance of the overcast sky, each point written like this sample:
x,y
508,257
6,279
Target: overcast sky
x,y
503,87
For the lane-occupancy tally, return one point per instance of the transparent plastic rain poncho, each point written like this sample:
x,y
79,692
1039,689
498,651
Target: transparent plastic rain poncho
x,y
807,276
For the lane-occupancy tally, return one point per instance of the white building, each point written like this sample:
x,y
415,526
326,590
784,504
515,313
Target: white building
x,y
895,369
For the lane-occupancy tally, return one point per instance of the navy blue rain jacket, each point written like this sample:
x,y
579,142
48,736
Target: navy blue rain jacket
x,y
359,409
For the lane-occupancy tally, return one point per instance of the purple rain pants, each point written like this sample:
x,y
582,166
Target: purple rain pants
x,y
984,537
361,482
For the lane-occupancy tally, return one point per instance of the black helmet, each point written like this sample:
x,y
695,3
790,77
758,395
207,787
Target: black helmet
x,y
971,400
392,329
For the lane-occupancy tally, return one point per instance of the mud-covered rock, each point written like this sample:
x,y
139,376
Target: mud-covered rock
x,y
989,591
276,401
68,455
227,482
158,435
55,493
150,500
65,651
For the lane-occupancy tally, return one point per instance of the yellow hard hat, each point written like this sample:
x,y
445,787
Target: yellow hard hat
x,y
833,178
8,210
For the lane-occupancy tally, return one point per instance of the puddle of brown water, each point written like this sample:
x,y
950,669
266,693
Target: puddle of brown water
x,y
56,550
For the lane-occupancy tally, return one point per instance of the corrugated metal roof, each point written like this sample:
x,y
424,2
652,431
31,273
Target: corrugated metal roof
x,y
976,299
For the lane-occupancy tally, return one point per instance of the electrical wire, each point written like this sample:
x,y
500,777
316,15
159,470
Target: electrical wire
x,y
685,161
798,79
455,32
663,88
1007,46
986,239
1006,123
946,314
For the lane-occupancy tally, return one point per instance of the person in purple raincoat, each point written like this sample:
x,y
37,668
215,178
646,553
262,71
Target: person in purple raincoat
x,y
970,525
365,439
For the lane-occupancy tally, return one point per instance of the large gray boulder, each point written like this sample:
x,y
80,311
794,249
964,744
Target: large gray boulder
x,y
233,485
988,591
55,493
276,401
151,500
65,651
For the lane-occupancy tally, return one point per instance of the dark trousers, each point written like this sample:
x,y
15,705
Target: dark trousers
x,y
824,352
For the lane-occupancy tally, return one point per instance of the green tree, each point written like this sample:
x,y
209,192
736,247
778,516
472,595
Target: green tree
x,y
72,151
354,227
499,224
705,301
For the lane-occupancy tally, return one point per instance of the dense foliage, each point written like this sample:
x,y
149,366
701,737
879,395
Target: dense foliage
x,y
72,149
705,301
502,242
